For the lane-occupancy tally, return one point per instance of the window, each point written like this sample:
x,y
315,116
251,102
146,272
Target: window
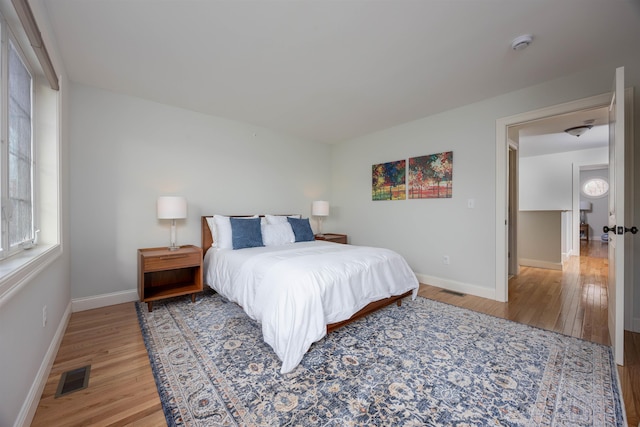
x,y
30,149
16,204
595,187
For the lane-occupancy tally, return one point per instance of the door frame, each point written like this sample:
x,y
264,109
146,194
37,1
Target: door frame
x,y
502,177
630,322
513,266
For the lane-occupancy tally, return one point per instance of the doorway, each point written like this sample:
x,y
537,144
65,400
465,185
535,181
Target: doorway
x,y
593,193
549,196
506,140
505,127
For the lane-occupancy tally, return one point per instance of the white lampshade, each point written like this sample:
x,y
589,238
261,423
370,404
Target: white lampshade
x,y
172,207
585,206
320,208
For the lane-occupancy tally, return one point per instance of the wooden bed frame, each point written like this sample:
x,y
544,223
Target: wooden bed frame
x,y
207,241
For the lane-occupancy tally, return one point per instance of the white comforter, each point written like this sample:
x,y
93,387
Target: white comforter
x,y
295,290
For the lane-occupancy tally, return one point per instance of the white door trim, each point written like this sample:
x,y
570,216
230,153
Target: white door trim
x,y
502,168
629,170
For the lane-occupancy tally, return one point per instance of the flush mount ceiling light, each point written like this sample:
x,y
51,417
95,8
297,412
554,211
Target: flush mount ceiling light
x,y
521,42
577,131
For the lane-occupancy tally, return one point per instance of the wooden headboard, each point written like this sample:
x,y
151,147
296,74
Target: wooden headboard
x,y
206,239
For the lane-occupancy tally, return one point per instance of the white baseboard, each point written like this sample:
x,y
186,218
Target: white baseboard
x,y
28,410
635,326
540,264
461,287
104,300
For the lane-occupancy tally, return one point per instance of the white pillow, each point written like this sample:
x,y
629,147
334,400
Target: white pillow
x,y
214,231
279,219
222,236
221,231
277,234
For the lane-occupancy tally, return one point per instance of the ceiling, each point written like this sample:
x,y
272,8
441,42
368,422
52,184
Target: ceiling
x,y
548,136
333,70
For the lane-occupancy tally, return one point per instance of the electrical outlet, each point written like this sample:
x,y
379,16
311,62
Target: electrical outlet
x,y
445,259
44,316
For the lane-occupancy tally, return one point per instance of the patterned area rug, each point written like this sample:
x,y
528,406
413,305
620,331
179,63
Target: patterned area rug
x,y
422,364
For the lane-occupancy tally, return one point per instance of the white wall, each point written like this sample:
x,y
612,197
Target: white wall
x,y
26,344
425,230
546,182
125,152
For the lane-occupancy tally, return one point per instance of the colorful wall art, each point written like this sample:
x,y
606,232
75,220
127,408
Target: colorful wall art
x,y
431,176
388,181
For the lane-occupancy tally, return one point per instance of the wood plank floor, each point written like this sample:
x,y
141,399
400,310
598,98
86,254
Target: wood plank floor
x,y
122,391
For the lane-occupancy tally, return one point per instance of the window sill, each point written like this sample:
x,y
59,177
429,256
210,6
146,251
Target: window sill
x,y
18,269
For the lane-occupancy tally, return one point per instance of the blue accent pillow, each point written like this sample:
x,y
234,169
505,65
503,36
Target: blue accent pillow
x,y
301,229
246,233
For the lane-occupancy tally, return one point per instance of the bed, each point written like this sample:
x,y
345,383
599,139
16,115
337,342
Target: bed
x,y
301,291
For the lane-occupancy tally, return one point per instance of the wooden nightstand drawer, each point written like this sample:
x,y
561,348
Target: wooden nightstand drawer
x,y
333,237
176,259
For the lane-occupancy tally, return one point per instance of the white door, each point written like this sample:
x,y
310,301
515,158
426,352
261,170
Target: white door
x,y
616,217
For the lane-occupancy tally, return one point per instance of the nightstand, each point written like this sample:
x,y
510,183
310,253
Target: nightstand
x,y
163,273
332,237
584,232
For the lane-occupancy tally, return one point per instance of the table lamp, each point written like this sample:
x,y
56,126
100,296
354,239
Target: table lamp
x,y
172,207
320,208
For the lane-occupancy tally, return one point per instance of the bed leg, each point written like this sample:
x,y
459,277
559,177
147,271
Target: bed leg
x,y
399,302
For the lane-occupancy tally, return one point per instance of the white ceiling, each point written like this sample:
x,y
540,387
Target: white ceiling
x,y
333,70
548,136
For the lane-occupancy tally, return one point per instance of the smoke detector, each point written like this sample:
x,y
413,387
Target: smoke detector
x,y
521,42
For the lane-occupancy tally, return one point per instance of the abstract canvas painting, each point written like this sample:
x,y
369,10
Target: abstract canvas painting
x,y
388,181
431,176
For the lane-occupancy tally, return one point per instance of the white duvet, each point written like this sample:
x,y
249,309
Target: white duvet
x,y
295,290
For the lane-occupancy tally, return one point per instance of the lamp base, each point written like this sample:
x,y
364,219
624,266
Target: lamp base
x,y
320,220
172,240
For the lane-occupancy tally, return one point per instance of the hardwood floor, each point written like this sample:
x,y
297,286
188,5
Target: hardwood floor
x,y
122,391
572,301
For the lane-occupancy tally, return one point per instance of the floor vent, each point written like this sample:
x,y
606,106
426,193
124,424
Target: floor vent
x,y
458,294
73,380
